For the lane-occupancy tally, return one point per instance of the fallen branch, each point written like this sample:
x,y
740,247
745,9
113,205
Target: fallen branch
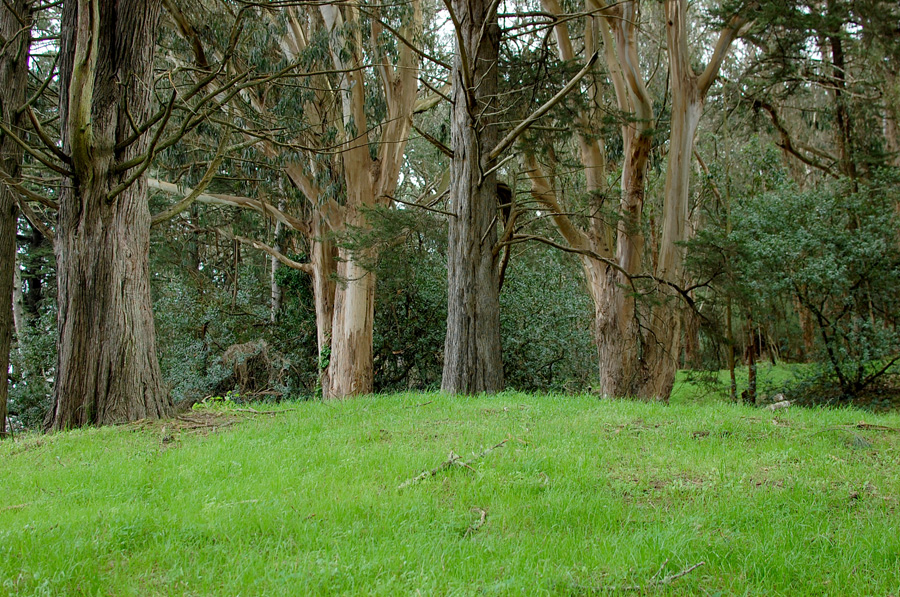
x,y
873,427
473,528
207,426
653,582
453,459
16,507
253,411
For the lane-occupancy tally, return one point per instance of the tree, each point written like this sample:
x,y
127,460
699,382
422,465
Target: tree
x,y
472,358
15,35
107,365
329,156
638,342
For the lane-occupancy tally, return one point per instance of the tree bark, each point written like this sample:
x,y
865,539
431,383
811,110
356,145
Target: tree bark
x,y
274,264
324,269
107,367
13,88
352,368
472,359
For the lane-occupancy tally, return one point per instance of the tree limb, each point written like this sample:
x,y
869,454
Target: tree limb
x,y
303,267
523,126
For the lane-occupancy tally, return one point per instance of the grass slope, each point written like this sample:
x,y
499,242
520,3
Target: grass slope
x,y
584,496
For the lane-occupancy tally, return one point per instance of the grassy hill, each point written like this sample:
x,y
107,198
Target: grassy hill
x,y
582,496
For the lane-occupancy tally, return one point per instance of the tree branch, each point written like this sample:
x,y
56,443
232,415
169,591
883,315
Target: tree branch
x,y
303,267
510,138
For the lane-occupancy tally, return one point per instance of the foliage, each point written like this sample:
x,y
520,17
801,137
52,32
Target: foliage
x,y
545,320
544,306
34,367
198,320
833,251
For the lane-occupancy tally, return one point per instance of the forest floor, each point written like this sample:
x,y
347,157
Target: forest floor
x,y
425,494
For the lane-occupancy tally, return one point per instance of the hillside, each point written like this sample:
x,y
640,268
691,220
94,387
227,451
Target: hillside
x,y
583,497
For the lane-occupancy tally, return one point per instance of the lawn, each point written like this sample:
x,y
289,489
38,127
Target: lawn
x,y
584,496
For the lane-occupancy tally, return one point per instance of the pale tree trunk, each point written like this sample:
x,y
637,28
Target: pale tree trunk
x,y
107,368
369,184
610,254
660,343
618,331
276,293
472,359
891,116
352,369
13,87
18,307
640,344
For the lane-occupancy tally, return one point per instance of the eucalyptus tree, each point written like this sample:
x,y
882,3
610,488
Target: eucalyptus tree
x,y
637,341
344,128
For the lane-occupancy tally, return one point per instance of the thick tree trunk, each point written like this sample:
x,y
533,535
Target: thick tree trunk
x,y
616,331
13,86
107,368
472,359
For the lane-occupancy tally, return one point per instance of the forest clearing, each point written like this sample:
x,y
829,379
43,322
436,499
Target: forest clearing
x,y
449,297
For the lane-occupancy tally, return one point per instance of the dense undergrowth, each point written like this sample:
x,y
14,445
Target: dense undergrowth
x,y
584,495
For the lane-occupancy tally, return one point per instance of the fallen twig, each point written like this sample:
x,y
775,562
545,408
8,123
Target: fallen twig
x,y
453,459
478,523
678,575
654,581
253,411
873,427
16,507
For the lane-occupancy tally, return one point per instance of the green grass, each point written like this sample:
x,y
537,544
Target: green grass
x,y
584,495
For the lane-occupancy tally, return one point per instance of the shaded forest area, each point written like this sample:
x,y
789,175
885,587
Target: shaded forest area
x,y
281,199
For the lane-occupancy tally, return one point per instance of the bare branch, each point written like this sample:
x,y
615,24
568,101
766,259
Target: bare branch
x,y
232,201
303,267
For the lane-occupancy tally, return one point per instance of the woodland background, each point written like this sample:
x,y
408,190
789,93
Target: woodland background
x,y
270,200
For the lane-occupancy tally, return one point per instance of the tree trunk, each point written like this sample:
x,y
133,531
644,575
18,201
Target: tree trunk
x,y
18,306
275,287
13,87
472,359
352,369
618,330
107,368
615,330
34,271
692,355
324,269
